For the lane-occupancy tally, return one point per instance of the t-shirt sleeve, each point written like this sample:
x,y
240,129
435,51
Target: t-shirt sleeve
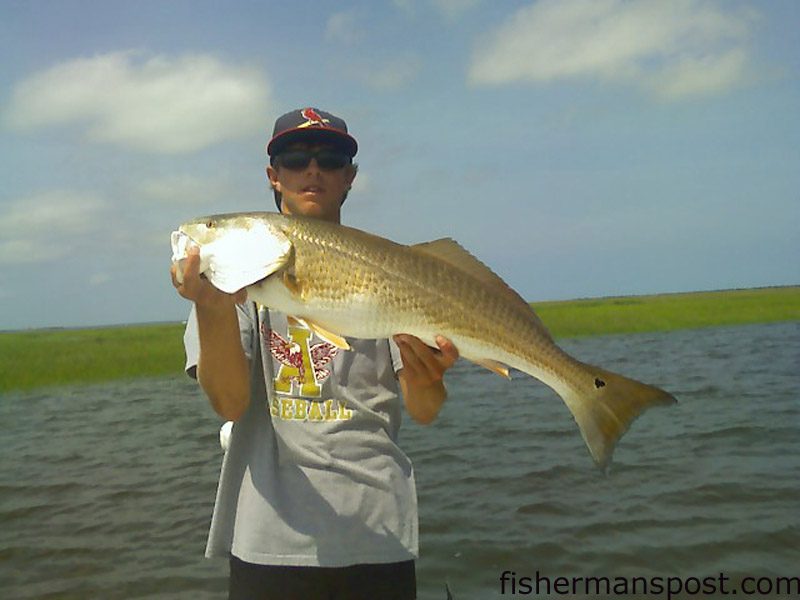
x,y
191,341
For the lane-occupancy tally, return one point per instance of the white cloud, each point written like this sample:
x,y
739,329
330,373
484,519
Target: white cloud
x,y
27,251
54,212
675,49
390,75
700,75
405,6
99,279
183,189
155,104
343,28
450,9
48,226
453,8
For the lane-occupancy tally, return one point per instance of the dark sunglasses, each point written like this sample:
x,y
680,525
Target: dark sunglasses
x,y
328,160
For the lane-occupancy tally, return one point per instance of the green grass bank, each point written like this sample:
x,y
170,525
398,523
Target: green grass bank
x,y
667,312
45,357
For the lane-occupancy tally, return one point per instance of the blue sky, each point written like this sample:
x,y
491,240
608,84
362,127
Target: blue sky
x,y
580,148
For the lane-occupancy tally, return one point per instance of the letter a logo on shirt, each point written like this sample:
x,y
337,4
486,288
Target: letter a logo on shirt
x,y
300,362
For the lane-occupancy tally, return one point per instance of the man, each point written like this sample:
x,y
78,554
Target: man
x,y
316,499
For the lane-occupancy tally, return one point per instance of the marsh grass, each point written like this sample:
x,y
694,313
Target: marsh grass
x,y
667,312
44,357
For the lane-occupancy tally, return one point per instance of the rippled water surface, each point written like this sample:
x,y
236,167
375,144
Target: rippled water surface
x,y
106,491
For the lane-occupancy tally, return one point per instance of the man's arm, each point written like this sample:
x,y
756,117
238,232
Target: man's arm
x,y
222,368
421,378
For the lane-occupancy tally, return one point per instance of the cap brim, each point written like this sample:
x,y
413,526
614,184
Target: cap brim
x,y
340,139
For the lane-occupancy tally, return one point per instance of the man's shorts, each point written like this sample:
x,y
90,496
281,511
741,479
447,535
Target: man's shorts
x,y
389,581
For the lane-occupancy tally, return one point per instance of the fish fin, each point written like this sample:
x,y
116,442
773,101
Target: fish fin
x,y
290,283
453,253
241,258
449,593
326,335
494,366
606,407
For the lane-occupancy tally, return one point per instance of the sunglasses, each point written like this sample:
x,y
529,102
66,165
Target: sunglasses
x,y
328,160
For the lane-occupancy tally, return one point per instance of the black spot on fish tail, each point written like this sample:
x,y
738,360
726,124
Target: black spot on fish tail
x,y
598,383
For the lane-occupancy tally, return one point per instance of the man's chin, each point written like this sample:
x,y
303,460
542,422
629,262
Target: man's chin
x,y
314,208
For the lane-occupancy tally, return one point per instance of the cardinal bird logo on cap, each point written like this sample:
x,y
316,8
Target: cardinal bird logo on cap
x,y
313,118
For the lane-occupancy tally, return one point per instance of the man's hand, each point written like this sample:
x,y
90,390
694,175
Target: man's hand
x,y
421,378
197,288
222,369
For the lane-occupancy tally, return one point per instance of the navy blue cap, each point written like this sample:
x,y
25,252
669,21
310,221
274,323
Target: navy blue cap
x,y
307,124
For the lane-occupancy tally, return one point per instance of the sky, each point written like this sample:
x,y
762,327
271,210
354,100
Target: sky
x,y
581,148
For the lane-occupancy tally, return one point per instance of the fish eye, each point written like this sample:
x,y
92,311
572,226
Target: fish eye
x,y
210,224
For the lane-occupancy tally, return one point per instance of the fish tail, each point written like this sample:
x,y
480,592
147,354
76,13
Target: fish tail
x,y
605,405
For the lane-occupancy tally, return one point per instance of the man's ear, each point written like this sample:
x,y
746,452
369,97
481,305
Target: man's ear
x,y
351,174
272,175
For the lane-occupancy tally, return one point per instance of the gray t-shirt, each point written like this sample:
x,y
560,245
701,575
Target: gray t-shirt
x,y
313,475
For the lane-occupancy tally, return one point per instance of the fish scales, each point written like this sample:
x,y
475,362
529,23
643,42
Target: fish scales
x,y
352,283
413,287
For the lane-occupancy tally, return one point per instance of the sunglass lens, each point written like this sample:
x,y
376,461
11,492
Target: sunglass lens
x,y
295,160
331,160
328,160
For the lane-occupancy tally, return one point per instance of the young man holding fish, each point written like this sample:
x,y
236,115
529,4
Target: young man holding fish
x,y
316,499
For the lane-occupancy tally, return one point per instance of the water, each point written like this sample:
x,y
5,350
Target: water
x,y
106,491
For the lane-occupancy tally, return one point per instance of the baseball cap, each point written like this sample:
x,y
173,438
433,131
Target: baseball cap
x,y
305,124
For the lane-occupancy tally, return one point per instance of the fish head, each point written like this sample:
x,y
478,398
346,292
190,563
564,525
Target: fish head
x,y
211,228
236,249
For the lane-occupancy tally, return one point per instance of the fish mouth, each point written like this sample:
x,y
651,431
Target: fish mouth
x,y
181,242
